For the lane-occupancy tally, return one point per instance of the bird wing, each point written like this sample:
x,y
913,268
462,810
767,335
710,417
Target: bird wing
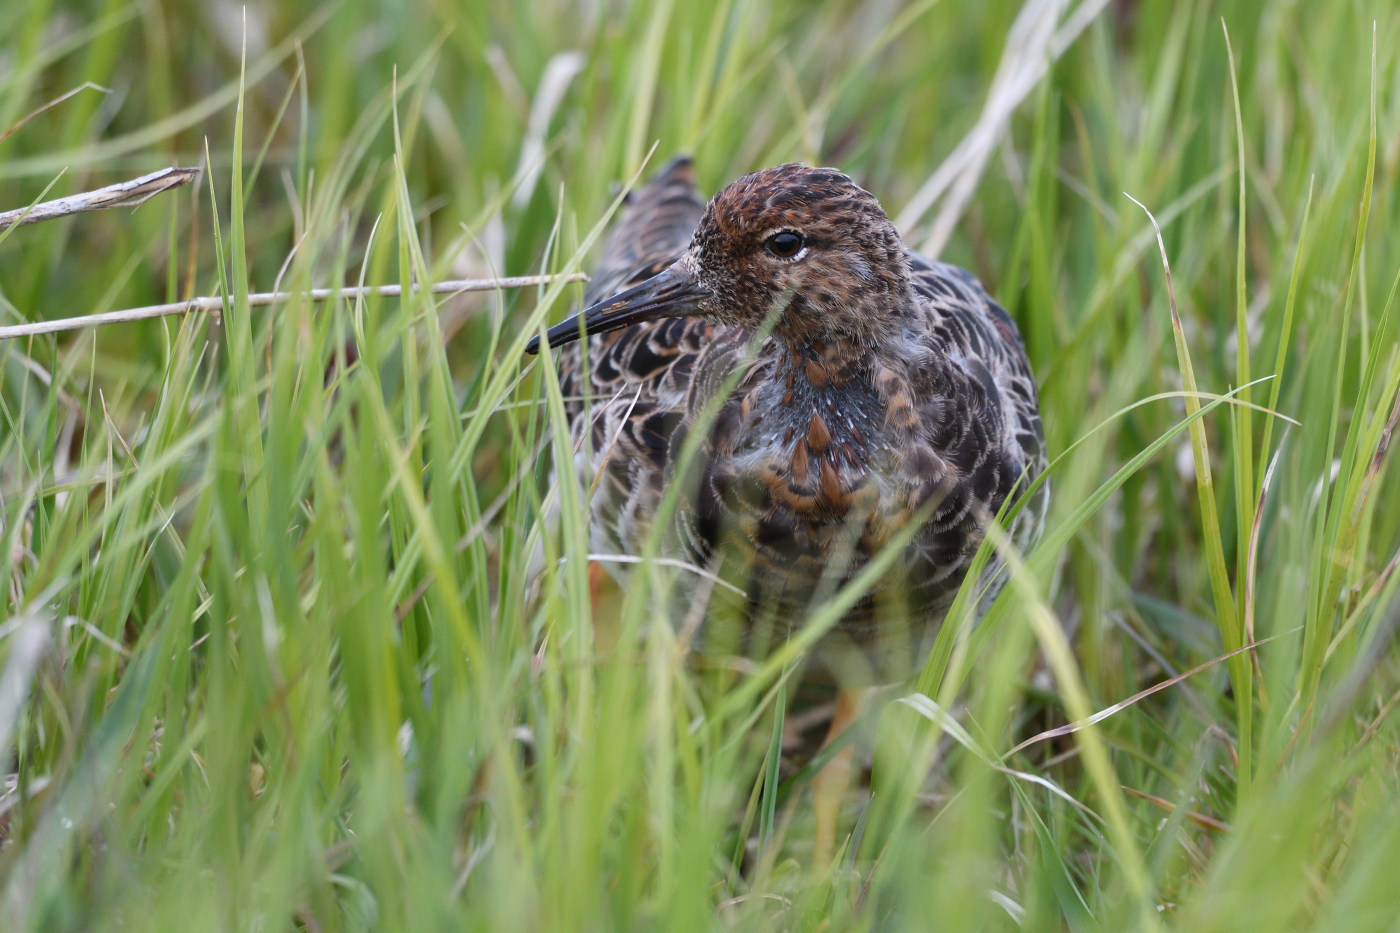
x,y
657,222
985,330
988,427
630,395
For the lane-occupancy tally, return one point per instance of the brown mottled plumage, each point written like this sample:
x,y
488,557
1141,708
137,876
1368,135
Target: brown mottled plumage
x,y
889,381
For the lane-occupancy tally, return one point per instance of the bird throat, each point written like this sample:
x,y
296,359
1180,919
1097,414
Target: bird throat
x,y
827,405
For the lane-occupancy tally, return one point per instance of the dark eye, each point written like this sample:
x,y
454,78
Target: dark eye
x,y
785,244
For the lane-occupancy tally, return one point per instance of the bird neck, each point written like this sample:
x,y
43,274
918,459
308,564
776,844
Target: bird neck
x,y
817,328
825,365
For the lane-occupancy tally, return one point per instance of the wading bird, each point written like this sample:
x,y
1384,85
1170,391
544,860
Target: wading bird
x,y
875,388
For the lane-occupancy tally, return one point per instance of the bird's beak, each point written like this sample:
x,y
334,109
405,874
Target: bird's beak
x,y
673,293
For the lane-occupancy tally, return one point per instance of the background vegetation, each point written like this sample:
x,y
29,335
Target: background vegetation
x,y
272,657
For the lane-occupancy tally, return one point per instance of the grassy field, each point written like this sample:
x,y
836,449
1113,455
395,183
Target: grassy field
x,y
274,655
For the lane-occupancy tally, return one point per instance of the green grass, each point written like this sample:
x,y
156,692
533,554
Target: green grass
x,y
273,654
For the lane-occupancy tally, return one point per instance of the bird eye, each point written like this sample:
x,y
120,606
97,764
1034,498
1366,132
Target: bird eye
x,y
785,244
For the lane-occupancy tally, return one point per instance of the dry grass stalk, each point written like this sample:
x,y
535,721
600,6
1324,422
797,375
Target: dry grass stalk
x,y
126,194
262,299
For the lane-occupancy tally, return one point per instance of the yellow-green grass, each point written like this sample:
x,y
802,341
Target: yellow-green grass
x,y
298,634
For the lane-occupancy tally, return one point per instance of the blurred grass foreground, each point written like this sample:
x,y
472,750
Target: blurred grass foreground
x,y
277,652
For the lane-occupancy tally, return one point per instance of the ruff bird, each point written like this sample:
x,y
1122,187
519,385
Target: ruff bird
x,y
876,387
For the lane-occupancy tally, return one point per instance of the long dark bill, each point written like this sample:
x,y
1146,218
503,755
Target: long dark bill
x,y
673,293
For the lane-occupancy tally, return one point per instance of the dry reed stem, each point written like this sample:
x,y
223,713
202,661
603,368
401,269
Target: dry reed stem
x,y
262,299
126,194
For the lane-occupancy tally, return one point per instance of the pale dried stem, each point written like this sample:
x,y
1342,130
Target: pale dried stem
x,y
261,299
1032,44
126,194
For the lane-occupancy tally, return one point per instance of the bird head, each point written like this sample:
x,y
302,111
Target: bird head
x,y
806,245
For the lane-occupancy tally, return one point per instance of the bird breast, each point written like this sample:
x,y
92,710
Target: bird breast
x,y
806,458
